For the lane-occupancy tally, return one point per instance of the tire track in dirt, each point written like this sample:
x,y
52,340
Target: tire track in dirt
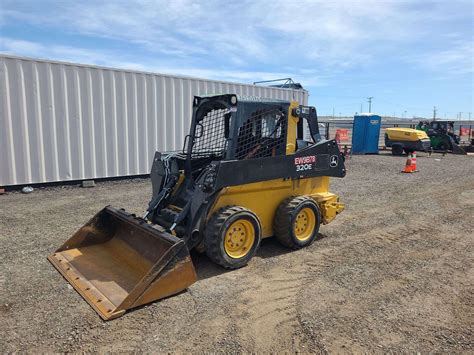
x,y
274,307
270,310
398,238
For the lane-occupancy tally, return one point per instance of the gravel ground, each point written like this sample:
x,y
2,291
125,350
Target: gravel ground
x,y
393,273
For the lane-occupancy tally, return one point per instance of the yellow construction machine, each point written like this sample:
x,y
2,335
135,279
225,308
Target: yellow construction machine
x,y
245,173
406,140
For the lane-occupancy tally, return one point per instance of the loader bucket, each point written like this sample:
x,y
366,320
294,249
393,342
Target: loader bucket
x,y
458,150
118,261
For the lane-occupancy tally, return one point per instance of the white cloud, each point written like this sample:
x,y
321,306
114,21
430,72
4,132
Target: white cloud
x,y
234,37
457,59
20,46
261,31
58,52
105,58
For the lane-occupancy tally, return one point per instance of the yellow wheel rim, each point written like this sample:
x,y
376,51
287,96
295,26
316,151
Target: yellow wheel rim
x,y
304,224
239,238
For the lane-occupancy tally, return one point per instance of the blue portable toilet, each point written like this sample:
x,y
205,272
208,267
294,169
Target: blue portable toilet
x,y
365,133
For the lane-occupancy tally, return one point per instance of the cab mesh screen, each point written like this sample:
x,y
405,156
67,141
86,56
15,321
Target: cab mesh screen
x,y
210,134
263,134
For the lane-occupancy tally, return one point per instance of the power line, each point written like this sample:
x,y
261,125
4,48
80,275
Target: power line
x,y
426,110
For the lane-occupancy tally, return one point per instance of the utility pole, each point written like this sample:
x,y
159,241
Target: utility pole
x,y
469,117
405,114
333,112
361,108
434,113
460,113
369,99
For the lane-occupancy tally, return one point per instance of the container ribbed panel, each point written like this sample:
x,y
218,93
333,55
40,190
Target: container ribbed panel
x,y
62,121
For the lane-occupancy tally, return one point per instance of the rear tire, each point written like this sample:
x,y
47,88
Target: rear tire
x,y
443,146
232,236
397,149
297,222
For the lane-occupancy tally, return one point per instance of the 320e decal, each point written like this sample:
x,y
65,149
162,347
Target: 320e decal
x,y
305,163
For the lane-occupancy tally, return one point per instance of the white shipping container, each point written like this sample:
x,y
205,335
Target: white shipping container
x,y
63,121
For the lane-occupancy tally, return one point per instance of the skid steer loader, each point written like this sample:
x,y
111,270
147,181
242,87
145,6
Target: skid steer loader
x,y
245,173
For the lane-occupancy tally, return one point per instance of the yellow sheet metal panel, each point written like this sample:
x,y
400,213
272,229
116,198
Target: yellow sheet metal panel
x,y
263,198
405,134
292,129
329,205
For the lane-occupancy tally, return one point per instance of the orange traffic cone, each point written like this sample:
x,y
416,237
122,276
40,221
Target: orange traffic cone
x,y
408,168
413,162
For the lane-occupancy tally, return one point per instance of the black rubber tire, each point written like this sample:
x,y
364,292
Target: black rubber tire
x,y
397,149
216,229
285,218
443,146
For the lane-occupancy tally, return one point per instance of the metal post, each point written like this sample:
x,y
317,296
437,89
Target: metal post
x,y
369,99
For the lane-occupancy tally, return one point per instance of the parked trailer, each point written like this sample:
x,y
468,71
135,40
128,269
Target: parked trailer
x,y
65,121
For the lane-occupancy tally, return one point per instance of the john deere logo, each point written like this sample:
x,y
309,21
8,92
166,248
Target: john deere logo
x,y
333,161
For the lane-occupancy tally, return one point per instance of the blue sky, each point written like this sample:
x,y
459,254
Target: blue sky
x,y
408,55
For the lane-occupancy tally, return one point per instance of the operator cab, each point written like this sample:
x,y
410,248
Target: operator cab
x,y
229,127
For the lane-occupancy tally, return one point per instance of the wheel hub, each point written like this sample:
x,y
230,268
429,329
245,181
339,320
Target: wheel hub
x,y
239,238
304,224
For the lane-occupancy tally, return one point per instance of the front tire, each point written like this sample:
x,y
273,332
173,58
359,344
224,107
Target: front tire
x,y
232,236
297,222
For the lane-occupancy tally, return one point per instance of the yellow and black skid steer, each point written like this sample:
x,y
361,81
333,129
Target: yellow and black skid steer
x,y
245,173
